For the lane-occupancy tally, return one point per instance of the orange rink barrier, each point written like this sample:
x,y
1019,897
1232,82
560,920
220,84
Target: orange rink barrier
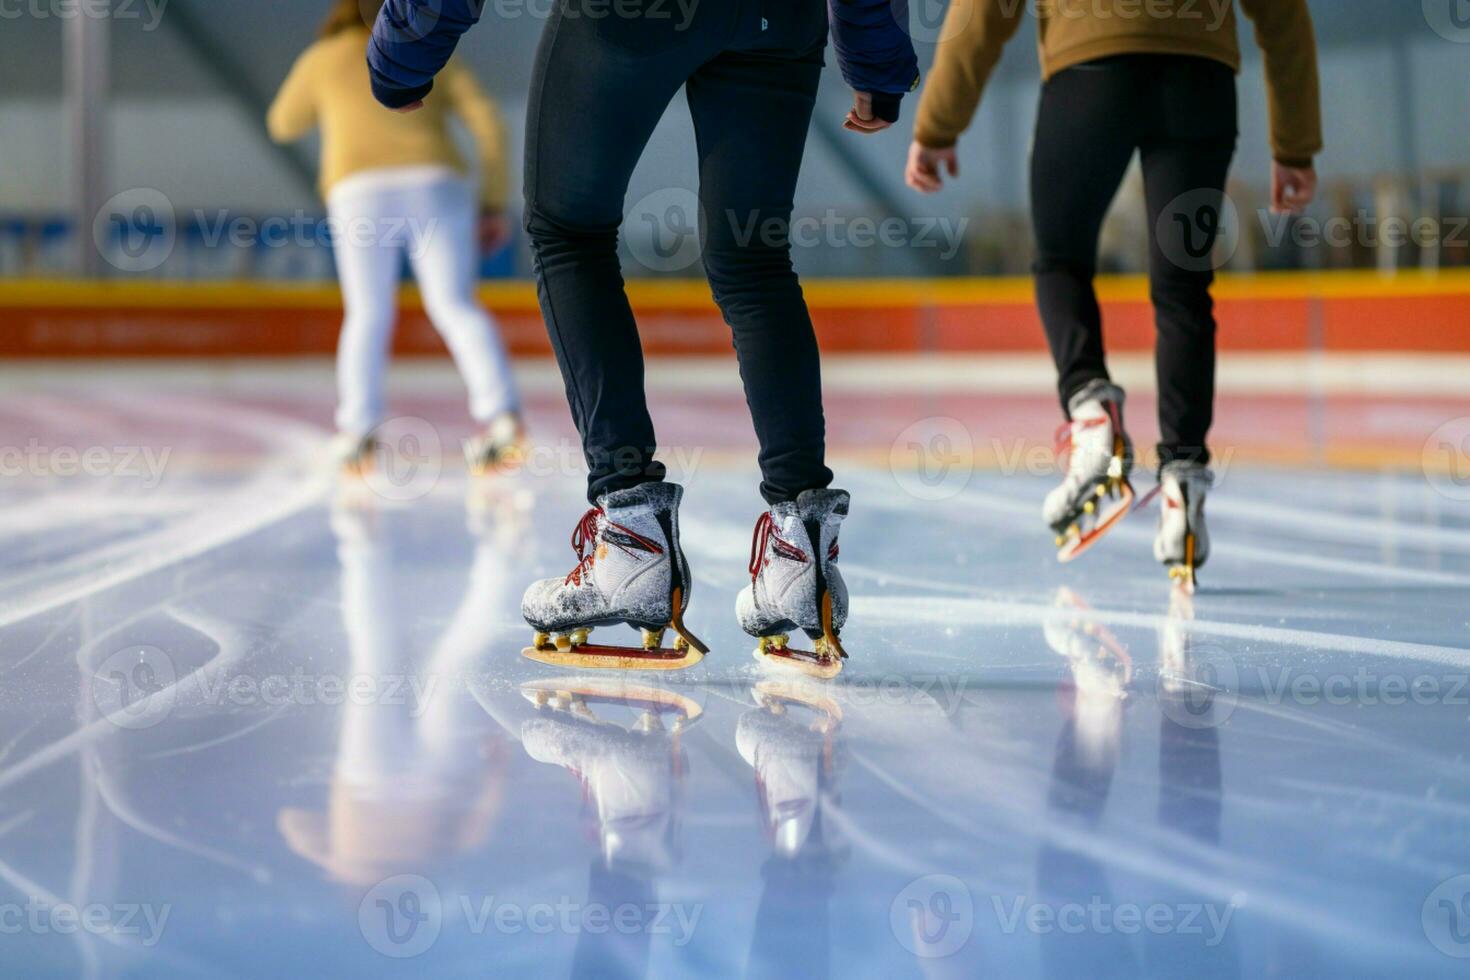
x,y
1338,312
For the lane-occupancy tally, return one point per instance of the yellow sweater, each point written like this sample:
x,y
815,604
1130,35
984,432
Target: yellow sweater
x,y
1075,31
328,86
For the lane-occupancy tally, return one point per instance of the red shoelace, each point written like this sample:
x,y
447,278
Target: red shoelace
x,y
765,533
583,537
765,526
1064,437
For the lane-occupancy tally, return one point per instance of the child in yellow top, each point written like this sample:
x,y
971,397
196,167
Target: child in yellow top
x,y
397,184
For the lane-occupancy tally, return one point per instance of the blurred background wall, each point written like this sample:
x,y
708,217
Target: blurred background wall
x,y
189,77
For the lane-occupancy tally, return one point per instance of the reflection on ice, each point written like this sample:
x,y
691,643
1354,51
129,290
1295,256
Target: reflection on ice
x,y
1023,746
1095,922
418,779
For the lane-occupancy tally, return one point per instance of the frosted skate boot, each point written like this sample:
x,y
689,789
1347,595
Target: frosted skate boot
x,y
1095,493
1183,541
795,583
498,448
630,569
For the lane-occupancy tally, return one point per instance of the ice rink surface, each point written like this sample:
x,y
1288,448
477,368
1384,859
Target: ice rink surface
x,y
253,726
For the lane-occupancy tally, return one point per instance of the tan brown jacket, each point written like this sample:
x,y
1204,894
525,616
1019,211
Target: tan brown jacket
x,y
1075,31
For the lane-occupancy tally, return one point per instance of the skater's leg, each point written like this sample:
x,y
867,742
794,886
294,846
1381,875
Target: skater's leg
x,y
594,102
368,267
1185,164
751,113
1085,136
443,256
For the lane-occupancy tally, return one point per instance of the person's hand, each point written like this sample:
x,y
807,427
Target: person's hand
x,y
1292,188
860,118
925,164
411,107
494,231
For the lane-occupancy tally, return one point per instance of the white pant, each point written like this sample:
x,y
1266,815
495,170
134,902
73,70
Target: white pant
x,y
429,214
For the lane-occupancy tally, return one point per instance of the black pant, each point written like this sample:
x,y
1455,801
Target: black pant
x,y
750,70
1179,112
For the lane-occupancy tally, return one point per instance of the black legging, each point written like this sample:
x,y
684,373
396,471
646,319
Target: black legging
x,y
750,72
1179,112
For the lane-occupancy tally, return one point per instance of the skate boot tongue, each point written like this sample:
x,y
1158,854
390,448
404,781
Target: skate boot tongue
x,y
1191,474
655,497
1088,401
816,505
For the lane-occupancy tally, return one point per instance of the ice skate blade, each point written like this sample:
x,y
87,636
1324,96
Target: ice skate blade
x,y
1113,503
683,638
560,693
796,692
1183,579
593,656
828,645
1185,575
805,661
511,461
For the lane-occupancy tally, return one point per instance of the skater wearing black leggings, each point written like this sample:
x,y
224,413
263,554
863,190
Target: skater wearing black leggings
x,y
605,72
1121,77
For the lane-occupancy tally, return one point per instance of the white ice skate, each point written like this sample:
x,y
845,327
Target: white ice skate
x,y
630,570
1095,493
795,583
498,448
1183,541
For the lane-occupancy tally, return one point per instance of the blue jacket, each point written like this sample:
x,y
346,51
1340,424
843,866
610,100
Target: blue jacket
x,y
875,51
413,39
